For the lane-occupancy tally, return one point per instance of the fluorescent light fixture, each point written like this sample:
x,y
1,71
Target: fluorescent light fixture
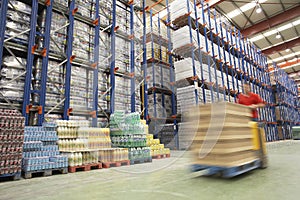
x,y
258,9
278,36
287,56
244,8
274,31
285,27
258,37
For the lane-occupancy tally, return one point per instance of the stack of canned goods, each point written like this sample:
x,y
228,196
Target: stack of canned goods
x,y
11,141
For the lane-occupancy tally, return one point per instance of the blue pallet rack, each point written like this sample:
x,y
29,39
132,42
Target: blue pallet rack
x,y
244,61
158,85
72,13
286,95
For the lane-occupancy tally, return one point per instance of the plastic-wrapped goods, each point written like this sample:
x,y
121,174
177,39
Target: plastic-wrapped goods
x,y
156,147
113,155
18,20
40,150
11,141
139,153
12,78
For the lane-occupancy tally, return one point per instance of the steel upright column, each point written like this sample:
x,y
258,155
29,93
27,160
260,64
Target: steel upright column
x,y
132,58
113,58
192,50
146,117
45,62
30,57
70,57
172,75
3,12
199,51
96,62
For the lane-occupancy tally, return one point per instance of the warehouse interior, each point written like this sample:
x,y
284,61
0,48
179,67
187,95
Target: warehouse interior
x,y
164,99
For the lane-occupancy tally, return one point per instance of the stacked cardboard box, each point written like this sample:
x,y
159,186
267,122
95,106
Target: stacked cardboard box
x,y
222,135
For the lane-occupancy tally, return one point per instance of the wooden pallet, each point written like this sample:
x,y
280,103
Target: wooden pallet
x,y
87,167
45,172
140,161
161,156
12,176
116,164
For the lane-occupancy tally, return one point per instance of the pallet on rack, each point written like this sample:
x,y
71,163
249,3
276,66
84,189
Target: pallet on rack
x,y
140,161
161,156
87,167
226,172
45,172
116,164
11,176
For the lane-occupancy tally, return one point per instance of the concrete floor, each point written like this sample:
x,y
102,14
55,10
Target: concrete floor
x,y
168,179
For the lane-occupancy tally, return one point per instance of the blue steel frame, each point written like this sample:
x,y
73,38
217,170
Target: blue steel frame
x,y
45,62
96,61
213,53
69,62
172,76
161,68
146,116
30,57
192,50
220,60
199,52
132,59
113,58
152,63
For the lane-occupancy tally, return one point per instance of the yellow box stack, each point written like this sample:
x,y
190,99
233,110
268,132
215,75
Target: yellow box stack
x,y
222,135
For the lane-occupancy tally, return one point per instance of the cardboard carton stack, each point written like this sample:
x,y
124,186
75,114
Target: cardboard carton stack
x,y
222,136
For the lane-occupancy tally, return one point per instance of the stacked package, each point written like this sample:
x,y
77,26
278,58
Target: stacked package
x,y
129,132
18,20
160,111
11,141
58,32
40,150
80,143
122,61
220,135
12,69
56,85
105,12
81,89
156,147
113,155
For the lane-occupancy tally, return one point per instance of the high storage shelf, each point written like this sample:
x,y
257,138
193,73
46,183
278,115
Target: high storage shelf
x,y
219,58
60,49
286,102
